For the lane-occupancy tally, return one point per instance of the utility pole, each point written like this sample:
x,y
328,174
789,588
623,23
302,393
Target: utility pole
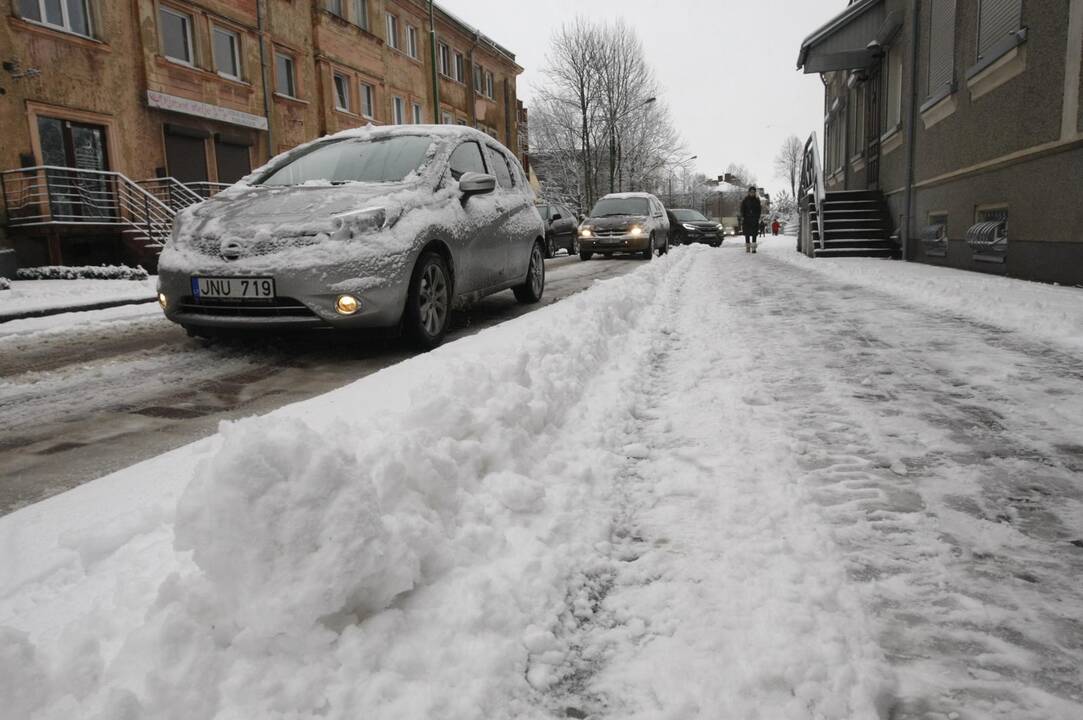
x,y
435,60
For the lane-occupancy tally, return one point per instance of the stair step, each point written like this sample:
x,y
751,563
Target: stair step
x,y
853,195
858,243
856,252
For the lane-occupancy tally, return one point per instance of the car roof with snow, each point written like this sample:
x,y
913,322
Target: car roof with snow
x,y
627,195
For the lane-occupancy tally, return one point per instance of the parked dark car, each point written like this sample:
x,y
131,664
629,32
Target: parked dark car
x,y
625,223
689,226
561,224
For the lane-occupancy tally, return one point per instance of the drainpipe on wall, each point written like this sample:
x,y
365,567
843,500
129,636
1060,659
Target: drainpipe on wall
x,y
261,9
473,79
435,73
911,130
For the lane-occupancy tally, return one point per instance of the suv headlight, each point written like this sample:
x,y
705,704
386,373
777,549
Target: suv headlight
x,y
361,221
585,232
635,231
687,226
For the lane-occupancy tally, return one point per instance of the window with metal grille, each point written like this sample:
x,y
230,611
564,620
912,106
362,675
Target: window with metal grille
x,y
998,22
942,48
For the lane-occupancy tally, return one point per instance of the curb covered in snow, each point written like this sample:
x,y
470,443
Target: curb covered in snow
x,y
45,312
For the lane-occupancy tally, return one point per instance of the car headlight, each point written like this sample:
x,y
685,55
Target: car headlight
x,y
635,231
687,226
585,233
360,221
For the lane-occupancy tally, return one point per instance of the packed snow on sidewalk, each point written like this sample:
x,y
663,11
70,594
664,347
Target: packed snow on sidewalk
x,y
41,295
656,499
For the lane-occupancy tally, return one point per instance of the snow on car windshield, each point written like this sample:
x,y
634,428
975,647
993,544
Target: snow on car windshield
x,y
620,206
383,160
689,216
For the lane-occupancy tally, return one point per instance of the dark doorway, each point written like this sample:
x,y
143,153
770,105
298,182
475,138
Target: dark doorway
x,y
186,154
233,160
873,131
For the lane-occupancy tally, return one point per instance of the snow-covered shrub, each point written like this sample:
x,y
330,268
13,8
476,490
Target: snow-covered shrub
x,y
85,272
5,284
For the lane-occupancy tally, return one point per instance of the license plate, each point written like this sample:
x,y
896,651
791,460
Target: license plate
x,y
233,288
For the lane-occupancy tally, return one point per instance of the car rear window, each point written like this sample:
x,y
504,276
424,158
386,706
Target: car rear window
x,y
500,168
354,160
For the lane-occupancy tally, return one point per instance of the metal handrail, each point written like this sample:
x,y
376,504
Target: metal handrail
x,y
206,189
812,182
171,191
56,195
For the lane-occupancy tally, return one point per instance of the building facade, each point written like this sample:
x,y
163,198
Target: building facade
x,y
202,91
965,115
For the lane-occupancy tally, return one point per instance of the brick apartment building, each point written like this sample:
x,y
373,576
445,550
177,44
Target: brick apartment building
x,y
196,93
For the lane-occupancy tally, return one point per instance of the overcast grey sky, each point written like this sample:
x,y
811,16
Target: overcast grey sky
x,y
727,68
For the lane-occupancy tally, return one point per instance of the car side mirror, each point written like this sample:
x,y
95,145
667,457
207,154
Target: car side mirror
x,y
473,183
556,217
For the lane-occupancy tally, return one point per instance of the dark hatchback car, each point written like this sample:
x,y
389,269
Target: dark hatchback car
x,y
561,224
689,226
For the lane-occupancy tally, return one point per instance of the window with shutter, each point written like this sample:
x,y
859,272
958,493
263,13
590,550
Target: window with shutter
x,y
997,21
942,48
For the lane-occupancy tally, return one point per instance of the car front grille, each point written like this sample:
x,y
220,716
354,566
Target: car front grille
x,y
611,232
278,307
250,247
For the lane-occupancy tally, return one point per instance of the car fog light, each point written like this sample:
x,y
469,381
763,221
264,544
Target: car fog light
x,y
347,305
163,300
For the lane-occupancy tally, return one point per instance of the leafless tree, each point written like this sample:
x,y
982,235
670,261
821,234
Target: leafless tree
x,y
788,161
741,174
597,109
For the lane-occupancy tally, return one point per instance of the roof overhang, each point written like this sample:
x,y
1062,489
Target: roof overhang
x,y
852,40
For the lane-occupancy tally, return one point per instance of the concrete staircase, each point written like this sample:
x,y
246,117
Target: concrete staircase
x,y
856,224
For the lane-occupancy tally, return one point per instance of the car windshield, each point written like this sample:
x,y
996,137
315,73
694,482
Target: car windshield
x,y
689,216
620,206
342,161
544,210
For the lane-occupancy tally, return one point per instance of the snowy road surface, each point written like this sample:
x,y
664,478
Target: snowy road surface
x,y
85,394
723,486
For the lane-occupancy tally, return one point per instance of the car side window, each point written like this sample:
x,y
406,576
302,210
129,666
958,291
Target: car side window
x,y
466,158
500,169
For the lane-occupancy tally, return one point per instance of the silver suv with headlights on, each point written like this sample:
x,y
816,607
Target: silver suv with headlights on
x,y
373,227
625,223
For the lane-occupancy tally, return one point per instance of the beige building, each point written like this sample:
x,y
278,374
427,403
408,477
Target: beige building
x,y
140,106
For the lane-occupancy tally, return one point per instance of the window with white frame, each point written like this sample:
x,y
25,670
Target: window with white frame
x,y
226,47
445,60
399,110
335,6
393,31
413,48
417,114
447,118
176,30
285,75
342,92
361,13
490,89
460,68
479,87
70,15
367,100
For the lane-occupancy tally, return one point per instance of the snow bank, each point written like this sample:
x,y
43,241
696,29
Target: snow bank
x,y
1048,313
343,558
5,284
83,272
34,295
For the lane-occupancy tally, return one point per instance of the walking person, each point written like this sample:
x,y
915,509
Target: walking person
x,y
775,227
750,218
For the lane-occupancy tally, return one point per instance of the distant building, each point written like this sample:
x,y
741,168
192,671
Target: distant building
x,y
963,118
149,104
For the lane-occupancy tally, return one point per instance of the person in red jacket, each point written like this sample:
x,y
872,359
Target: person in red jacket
x,y
774,227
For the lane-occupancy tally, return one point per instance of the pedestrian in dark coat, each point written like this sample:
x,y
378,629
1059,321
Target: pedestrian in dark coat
x,y
750,218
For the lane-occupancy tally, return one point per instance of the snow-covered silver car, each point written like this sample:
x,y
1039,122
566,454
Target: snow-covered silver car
x,y
373,227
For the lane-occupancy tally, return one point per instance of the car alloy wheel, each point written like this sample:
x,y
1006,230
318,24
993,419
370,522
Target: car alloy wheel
x,y
531,290
429,302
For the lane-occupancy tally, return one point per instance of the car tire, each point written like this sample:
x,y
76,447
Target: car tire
x,y
665,248
585,255
550,249
428,302
533,287
648,254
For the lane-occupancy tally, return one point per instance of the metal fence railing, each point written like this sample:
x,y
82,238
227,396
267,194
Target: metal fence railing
x,y
811,194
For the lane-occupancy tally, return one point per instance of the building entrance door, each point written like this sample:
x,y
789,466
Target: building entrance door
x,y
873,113
186,154
75,196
